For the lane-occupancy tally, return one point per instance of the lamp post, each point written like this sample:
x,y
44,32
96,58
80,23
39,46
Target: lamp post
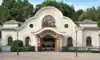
x,y
76,43
99,42
17,43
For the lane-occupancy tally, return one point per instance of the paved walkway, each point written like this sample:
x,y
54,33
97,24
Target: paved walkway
x,y
49,56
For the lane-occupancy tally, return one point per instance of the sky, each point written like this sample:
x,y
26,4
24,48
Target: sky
x,y
78,4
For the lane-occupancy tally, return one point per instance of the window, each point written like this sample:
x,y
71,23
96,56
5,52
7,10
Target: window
x,y
66,25
10,40
31,25
19,25
27,41
88,41
70,42
48,21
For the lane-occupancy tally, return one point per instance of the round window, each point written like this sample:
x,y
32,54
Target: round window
x,y
66,25
31,25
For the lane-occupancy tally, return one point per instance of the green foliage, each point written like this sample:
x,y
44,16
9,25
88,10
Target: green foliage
x,y
27,49
16,43
82,16
21,48
67,49
98,24
77,14
93,51
66,9
30,48
90,13
89,45
19,10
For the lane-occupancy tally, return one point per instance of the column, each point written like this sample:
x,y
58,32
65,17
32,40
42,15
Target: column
x,y
57,44
38,44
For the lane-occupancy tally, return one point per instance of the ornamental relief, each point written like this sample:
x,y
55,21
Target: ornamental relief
x,y
48,21
48,33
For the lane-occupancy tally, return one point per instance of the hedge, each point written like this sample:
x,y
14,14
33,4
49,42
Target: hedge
x,y
16,43
66,49
21,48
27,49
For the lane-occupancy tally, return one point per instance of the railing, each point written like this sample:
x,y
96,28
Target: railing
x,y
86,48
73,49
5,48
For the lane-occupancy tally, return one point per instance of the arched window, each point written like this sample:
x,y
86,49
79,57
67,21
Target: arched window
x,y
48,21
88,41
10,40
27,41
70,42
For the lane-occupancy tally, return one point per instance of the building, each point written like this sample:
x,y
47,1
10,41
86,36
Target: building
x,y
49,28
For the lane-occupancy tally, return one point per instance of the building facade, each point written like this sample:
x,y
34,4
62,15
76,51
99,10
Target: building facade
x,y
49,28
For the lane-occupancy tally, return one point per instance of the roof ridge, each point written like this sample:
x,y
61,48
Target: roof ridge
x,y
88,21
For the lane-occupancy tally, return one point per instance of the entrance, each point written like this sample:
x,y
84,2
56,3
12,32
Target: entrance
x,y
48,40
48,44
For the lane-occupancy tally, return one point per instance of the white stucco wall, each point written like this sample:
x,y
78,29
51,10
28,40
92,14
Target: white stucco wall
x,y
88,25
26,31
10,25
59,19
6,34
94,34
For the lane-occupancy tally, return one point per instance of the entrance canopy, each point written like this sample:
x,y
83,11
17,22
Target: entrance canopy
x,y
48,39
48,32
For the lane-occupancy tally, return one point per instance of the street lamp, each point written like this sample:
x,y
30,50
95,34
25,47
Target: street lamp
x,y
99,41
76,43
17,42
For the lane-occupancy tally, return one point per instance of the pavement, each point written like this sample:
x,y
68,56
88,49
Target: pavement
x,y
48,56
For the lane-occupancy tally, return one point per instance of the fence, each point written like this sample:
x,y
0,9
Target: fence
x,y
5,48
64,49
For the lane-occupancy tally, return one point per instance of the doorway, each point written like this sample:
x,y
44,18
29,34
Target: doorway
x,y
48,44
48,40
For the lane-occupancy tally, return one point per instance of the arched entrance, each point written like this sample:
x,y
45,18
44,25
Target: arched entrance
x,y
10,40
88,41
69,42
48,43
27,41
48,40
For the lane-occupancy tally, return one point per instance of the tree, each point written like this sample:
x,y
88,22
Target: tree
x,y
90,13
15,44
82,16
66,9
19,10
77,15
98,13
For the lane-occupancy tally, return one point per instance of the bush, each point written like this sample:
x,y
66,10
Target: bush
x,y
27,49
20,47
14,45
65,49
23,49
31,48
73,49
93,51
